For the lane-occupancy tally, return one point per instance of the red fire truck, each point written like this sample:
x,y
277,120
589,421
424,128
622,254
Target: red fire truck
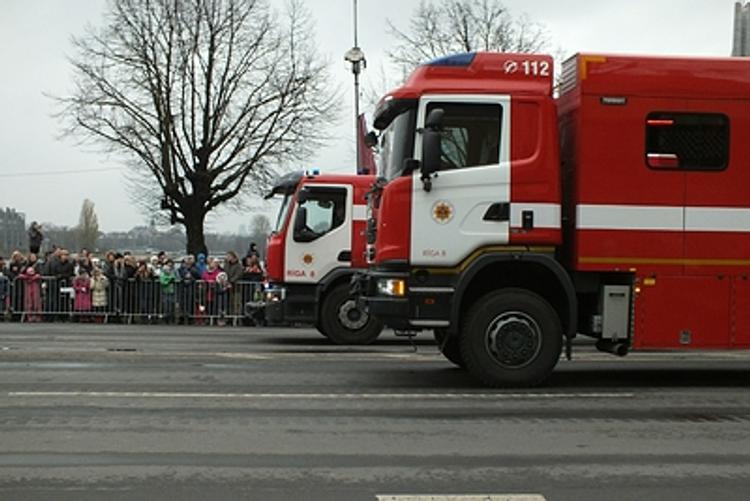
x,y
509,220
316,247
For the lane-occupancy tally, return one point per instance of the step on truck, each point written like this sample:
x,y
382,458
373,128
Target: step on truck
x,y
317,245
509,220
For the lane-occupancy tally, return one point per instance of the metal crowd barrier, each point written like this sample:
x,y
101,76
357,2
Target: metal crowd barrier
x,y
127,301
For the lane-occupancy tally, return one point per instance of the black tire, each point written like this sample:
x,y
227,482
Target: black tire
x,y
343,322
320,329
451,349
511,337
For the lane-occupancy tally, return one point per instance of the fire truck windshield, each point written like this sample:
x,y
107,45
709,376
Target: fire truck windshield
x,y
396,144
283,210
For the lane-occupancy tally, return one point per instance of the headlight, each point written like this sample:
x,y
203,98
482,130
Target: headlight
x,y
392,287
274,295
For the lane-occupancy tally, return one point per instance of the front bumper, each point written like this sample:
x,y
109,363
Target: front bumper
x,y
273,300
290,303
423,305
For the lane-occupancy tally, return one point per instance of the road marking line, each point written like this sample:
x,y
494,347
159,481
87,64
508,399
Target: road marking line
x,y
462,497
322,396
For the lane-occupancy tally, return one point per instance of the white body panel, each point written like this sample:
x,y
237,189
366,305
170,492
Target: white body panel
x,y
468,192
308,262
662,218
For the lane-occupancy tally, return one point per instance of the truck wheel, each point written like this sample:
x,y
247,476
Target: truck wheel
x,y
320,329
450,349
343,322
511,337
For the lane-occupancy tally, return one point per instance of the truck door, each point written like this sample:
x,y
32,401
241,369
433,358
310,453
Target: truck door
x,y
717,218
319,238
693,310
468,205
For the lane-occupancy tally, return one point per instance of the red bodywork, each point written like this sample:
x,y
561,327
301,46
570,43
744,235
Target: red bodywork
x,y
691,282
394,221
534,145
692,285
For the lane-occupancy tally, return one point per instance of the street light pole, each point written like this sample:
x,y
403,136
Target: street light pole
x,y
356,57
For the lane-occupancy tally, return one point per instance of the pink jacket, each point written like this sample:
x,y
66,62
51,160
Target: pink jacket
x,y
82,287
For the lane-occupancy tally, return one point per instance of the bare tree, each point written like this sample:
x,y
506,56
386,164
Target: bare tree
x,y
205,99
261,226
441,27
87,231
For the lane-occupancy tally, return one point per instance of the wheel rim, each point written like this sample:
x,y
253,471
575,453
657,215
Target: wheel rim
x,y
513,339
351,317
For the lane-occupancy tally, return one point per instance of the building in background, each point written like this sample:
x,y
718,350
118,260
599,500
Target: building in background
x,y
741,46
12,231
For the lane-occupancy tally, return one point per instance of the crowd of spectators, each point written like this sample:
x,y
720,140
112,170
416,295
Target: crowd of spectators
x,y
122,286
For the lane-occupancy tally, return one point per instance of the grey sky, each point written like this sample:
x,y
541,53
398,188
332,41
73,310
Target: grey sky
x,y
34,39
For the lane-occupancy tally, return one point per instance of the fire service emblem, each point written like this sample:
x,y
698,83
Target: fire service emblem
x,y
442,212
308,259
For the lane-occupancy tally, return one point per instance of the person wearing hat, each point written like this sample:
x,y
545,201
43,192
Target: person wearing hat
x,y
35,237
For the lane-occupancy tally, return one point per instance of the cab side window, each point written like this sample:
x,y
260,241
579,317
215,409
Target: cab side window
x,y
322,211
470,134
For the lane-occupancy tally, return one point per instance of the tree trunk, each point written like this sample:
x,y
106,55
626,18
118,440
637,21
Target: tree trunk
x,y
196,239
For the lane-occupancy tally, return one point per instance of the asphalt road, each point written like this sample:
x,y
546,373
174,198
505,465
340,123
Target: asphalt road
x,y
143,412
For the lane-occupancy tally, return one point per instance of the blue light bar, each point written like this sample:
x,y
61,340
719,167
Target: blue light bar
x,y
464,59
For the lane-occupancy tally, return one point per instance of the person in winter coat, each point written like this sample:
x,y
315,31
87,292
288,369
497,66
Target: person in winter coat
x,y
252,251
108,269
63,270
201,264
187,275
223,289
99,291
35,237
32,294
233,269
125,269
82,289
252,276
4,289
167,281
145,294
33,261
16,268
209,279
84,263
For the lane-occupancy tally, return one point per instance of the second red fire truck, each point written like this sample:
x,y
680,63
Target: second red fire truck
x,y
509,220
316,247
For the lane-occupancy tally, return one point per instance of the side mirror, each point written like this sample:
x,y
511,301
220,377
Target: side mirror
x,y
431,150
301,232
300,221
371,139
434,120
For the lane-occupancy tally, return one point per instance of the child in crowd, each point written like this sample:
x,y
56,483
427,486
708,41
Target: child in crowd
x,y
209,282
32,300
223,286
99,291
82,289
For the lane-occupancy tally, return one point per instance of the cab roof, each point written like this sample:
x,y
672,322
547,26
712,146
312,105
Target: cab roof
x,y
480,73
288,183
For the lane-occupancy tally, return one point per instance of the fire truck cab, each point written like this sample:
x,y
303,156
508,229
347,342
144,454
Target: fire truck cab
x,y
508,220
317,245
